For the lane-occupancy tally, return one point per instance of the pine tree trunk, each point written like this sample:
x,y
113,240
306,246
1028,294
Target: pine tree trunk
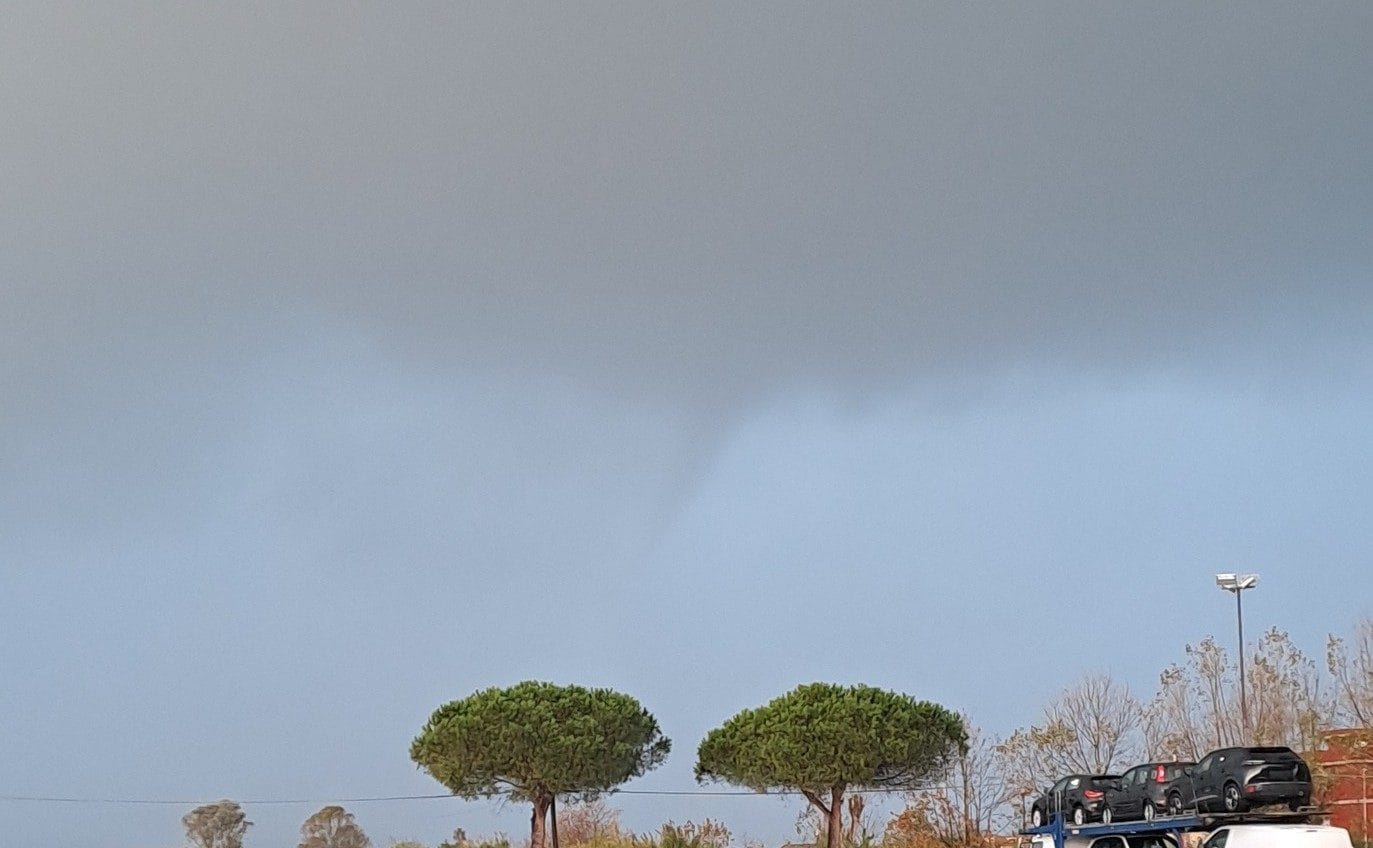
x,y
536,823
834,837
553,819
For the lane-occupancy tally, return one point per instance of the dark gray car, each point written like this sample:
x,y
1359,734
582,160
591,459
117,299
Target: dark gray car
x,y
1077,798
1142,792
1233,780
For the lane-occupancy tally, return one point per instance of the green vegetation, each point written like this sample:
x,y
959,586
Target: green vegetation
x,y
538,741
822,739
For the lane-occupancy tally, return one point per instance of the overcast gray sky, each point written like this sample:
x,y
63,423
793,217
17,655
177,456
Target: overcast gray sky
x,y
354,357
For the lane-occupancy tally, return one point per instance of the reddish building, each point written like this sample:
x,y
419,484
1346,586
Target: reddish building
x,y
1346,776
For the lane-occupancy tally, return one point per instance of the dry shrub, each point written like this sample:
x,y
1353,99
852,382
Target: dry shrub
x,y
707,834
587,824
922,825
911,828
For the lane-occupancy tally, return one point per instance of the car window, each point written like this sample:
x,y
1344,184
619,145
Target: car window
x,y
1217,839
1174,772
1060,786
1205,763
1138,776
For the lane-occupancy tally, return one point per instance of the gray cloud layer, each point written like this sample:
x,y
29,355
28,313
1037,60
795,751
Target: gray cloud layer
x,y
702,201
331,334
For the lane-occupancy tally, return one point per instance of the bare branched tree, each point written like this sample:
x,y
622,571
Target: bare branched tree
x,y
1351,667
1105,720
976,797
1287,703
1215,687
1196,708
1091,728
1170,726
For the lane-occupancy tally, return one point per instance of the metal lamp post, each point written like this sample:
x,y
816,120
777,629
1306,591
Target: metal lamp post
x,y
1363,803
1236,584
1362,746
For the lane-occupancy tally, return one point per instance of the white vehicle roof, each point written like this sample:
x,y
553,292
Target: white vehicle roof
x,y
1071,841
1283,836
1268,828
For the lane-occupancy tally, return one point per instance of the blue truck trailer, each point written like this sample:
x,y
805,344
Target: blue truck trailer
x,y
1164,830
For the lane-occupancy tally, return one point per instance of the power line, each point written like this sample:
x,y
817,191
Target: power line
x,y
183,802
55,799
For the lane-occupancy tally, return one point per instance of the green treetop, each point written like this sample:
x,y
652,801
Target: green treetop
x,y
539,741
822,739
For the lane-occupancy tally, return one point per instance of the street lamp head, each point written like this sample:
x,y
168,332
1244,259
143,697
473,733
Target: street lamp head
x,y
1232,582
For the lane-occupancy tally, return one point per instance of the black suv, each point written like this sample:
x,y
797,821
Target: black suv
x,y
1142,792
1232,780
1079,797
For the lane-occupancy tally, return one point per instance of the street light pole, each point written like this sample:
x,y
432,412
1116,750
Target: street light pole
x,y
1244,689
1363,804
1237,583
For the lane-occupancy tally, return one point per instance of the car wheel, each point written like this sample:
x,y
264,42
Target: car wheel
x,y
1079,815
1036,818
1106,814
1175,804
1233,801
1149,811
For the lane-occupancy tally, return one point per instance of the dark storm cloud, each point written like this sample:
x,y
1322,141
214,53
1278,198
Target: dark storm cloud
x,y
698,202
357,356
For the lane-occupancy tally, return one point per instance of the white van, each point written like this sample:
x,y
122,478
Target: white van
x,y
1278,836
